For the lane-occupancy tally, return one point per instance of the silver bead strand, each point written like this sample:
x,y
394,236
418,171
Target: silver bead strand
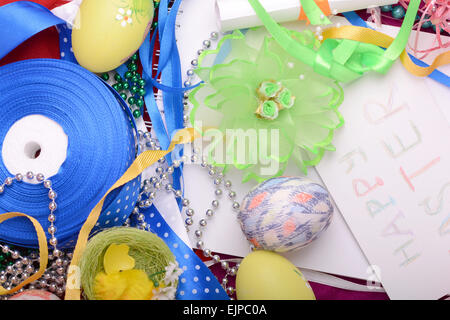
x,y
162,179
206,45
218,179
149,190
24,267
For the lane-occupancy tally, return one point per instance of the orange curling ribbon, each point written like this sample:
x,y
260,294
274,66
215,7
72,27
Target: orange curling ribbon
x,y
380,39
311,11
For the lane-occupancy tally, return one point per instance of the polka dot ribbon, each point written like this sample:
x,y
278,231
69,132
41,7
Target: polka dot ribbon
x,y
65,43
181,251
196,282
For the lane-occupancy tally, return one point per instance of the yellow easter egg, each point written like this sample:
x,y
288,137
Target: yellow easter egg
x,y
265,275
107,32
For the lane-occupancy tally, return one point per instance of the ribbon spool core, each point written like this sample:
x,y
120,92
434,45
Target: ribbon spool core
x,y
35,143
32,150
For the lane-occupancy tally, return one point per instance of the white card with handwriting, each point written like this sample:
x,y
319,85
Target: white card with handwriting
x,y
390,178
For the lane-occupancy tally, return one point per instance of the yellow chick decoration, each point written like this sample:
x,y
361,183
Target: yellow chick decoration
x,y
121,281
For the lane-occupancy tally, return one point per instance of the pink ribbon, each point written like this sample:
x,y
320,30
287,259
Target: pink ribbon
x,y
438,13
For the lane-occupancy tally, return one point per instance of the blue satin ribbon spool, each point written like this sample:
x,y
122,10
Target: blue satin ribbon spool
x,y
101,147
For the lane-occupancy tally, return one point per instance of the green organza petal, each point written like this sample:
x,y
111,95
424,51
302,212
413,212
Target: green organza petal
x,y
280,149
224,94
312,137
301,130
329,119
208,57
269,64
240,71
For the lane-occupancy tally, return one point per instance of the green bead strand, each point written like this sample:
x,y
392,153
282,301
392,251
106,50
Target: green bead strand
x,y
427,24
398,12
117,77
137,113
142,82
105,76
140,103
132,82
134,90
132,66
387,8
128,75
132,100
141,92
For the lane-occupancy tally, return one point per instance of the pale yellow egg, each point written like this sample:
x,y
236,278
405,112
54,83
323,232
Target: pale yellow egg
x,y
265,275
107,32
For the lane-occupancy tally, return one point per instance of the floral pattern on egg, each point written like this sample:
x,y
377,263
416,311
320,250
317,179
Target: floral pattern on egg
x,y
285,214
124,17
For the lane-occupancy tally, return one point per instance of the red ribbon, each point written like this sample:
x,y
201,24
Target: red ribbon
x,y
43,45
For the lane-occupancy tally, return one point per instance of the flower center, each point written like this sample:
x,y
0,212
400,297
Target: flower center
x,y
273,97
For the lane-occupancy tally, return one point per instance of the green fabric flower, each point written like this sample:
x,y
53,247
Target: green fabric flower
x,y
250,84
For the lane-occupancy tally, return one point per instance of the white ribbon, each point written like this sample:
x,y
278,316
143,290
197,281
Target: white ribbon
x,y
325,279
68,12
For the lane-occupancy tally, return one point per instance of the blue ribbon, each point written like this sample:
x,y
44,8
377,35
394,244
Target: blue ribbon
x,y
100,149
98,152
196,282
20,21
171,82
65,43
436,75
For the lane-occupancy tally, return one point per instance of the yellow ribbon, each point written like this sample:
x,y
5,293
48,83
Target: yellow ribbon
x,y
142,162
380,39
43,250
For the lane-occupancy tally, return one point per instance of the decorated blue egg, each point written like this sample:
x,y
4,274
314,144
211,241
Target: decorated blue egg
x,y
285,213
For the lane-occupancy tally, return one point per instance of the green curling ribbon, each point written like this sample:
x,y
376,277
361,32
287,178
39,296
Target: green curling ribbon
x,y
340,59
